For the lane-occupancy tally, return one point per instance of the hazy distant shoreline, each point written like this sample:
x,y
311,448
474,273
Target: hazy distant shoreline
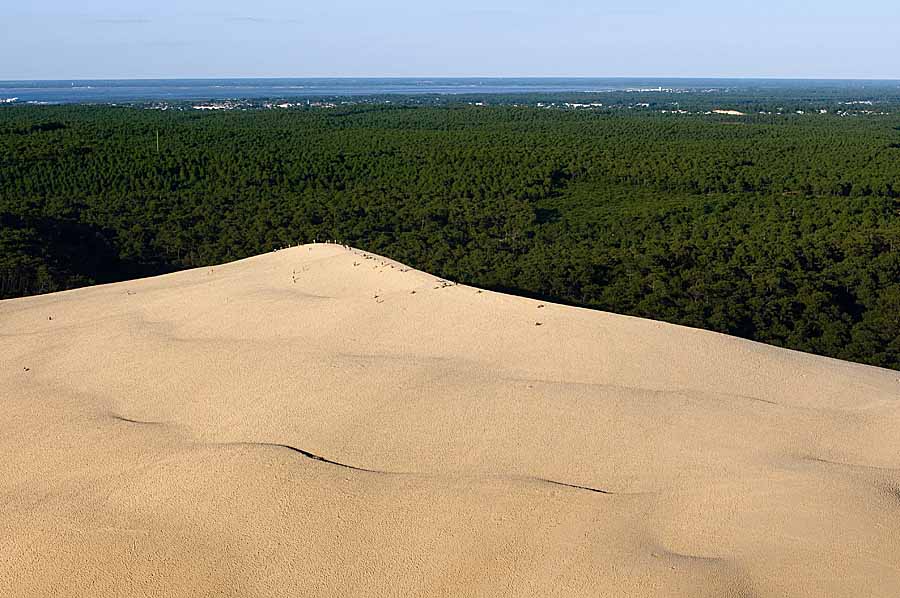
x,y
106,91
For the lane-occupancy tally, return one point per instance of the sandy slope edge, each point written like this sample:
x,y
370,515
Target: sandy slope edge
x,y
321,421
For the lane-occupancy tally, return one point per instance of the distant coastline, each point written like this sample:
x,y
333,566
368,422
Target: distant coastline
x,y
144,90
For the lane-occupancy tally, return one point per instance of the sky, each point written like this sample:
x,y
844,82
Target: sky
x,y
92,39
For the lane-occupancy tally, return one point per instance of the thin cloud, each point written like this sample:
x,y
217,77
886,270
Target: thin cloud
x,y
259,20
122,21
533,15
248,20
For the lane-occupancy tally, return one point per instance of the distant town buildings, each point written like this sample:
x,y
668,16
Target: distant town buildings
x,y
661,106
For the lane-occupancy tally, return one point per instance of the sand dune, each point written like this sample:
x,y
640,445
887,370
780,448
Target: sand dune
x,y
322,422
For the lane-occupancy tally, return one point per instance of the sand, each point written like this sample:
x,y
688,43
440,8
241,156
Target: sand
x,y
322,422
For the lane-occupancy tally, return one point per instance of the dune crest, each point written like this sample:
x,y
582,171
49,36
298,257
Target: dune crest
x,y
323,421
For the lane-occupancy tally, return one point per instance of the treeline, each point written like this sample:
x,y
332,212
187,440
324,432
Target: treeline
x,y
784,229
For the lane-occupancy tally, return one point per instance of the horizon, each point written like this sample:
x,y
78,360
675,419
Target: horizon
x,y
72,90
747,78
811,79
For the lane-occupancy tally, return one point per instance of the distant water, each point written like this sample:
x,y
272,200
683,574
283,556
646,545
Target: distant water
x,y
108,91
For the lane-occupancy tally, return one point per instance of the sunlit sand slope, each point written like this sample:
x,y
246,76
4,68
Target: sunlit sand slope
x,y
323,422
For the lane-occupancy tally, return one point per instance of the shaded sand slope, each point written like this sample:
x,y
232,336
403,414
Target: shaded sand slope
x,y
321,422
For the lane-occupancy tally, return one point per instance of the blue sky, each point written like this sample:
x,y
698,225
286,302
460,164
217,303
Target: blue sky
x,y
205,38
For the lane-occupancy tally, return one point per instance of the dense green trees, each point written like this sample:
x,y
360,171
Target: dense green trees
x,y
784,229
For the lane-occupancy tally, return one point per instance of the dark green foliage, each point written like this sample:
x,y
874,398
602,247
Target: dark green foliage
x,y
783,229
